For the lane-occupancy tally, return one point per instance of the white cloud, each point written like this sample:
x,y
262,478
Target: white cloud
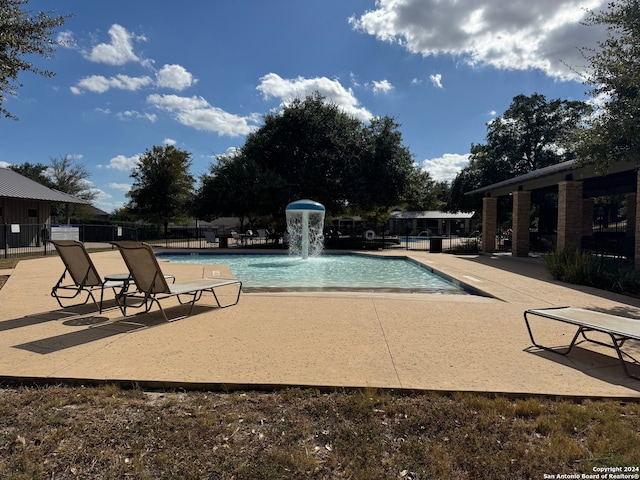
x,y
436,80
505,34
100,84
119,51
196,112
175,77
383,86
123,187
446,167
273,85
133,114
123,163
4,164
169,141
65,39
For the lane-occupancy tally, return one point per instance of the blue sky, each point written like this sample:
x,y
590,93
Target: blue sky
x,y
200,75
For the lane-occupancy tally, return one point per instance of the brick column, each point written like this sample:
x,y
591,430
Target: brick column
x,y
489,224
570,219
521,223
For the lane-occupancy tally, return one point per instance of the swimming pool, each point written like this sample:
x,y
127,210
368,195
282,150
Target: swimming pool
x,y
337,272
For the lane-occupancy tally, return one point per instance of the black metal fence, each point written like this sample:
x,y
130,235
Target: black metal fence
x,y
21,240
33,239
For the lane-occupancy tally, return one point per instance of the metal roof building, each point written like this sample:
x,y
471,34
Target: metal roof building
x,y
14,185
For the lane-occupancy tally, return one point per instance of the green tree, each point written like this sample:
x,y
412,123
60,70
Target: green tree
x,y
385,174
21,36
614,75
236,186
309,146
533,133
162,189
313,149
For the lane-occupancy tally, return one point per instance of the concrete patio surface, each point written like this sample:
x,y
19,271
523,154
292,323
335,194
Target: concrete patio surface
x,y
322,339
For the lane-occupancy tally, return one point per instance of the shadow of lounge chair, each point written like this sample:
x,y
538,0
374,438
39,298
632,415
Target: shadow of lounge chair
x,y
84,276
152,287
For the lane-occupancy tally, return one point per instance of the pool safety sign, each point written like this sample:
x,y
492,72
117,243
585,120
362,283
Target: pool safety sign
x,y
65,232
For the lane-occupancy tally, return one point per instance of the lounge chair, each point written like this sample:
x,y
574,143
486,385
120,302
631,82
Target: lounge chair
x,y
84,276
210,237
619,329
152,286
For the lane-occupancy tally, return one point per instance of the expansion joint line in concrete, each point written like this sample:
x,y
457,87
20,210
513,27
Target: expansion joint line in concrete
x,y
386,342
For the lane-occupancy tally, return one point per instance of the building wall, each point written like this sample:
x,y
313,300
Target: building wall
x,y
21,220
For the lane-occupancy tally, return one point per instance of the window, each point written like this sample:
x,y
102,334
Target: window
x,y
32,212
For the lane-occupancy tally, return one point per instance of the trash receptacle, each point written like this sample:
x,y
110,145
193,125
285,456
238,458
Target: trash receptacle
x,y
224,242
435,244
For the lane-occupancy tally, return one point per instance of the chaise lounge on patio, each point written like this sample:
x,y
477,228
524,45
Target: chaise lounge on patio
x,y
152,287
85,278
618,329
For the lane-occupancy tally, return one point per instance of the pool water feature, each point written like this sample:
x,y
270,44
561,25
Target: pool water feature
x,y
305,223
335,272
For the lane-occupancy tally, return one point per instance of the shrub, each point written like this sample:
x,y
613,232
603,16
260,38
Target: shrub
x,y
581,267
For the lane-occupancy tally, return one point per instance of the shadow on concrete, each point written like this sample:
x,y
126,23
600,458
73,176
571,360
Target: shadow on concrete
x,y
42,317
595,364
533,267
100,328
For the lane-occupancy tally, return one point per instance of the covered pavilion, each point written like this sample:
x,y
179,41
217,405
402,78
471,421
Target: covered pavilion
x,y
576,186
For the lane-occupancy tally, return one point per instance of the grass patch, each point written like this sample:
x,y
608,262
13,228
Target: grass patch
x,y
105,432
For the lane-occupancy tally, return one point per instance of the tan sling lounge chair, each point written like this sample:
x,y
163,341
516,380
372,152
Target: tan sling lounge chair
x,y
152,286
84,276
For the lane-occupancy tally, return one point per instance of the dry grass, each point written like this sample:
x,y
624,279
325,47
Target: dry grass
x,y
104,432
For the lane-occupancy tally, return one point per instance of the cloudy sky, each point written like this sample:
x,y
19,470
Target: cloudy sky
x,y
200,75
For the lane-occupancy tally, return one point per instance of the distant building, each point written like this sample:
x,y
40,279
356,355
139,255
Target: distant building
x,y
25,203
431,222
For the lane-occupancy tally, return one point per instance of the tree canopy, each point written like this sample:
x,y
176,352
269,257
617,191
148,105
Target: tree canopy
x,y
23,34
532,133
162,187
615,78
313,149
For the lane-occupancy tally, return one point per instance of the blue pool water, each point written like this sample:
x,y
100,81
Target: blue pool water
x,y
351,272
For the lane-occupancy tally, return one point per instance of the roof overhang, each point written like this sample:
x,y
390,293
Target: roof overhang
x,y
618,179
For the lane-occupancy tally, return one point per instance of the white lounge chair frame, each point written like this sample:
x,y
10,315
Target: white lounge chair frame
x,y
152,286
619,329
84,276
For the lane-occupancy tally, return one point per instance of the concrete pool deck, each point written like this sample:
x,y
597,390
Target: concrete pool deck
x,y
328,339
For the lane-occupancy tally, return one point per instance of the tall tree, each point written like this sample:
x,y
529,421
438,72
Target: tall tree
x,y
21,35
162,190
614,76
532,133
70,177
385,173
236,186
308,146
313,149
